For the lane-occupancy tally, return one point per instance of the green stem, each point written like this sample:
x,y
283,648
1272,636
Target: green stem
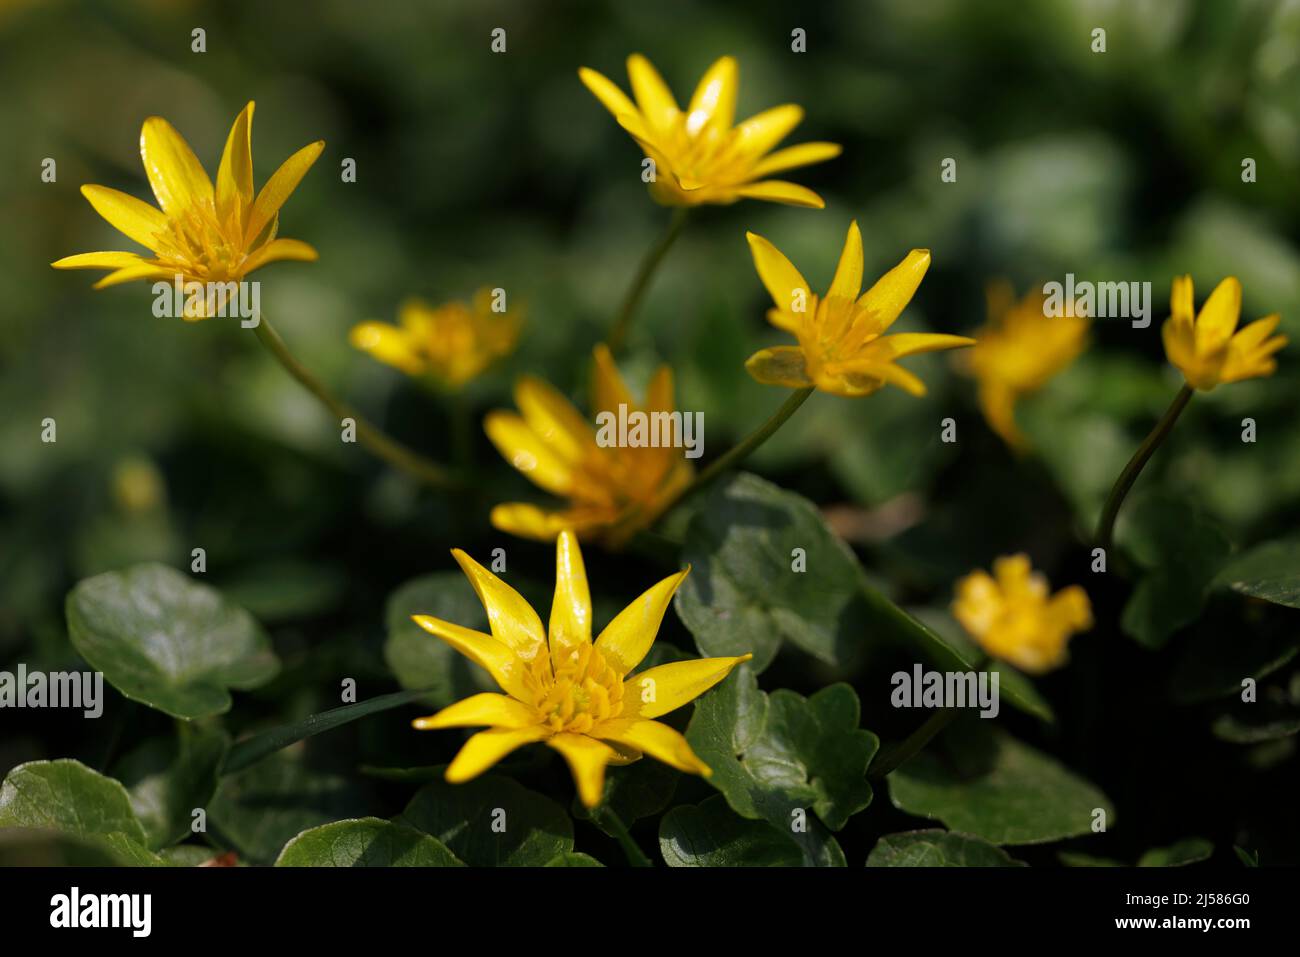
x,y
892,757
641,280
738,453
613,823
371,436
1136,464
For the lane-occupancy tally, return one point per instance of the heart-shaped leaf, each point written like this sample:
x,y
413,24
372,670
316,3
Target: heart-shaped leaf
x,y
168,642
365,842
712,835
168,779
491,822
937,848
982,782
1270,572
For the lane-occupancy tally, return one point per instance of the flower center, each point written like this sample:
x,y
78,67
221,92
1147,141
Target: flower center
x,y
581,692
195,240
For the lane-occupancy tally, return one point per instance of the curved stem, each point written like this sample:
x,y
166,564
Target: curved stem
x,y
371,436
740,452
1106,526
641,280
892,757
614,824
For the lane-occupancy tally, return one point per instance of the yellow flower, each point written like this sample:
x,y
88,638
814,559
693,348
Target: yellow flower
x,y
1016,354
842,348
1208,349
561,688
1013,617
202,233
699,156
613,490
451,344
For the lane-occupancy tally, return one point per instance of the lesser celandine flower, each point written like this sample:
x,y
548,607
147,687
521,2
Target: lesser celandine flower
x,y
561,688
1016,354
204,233
450,344
699,156
842,347
1014,617
1207,348
613,490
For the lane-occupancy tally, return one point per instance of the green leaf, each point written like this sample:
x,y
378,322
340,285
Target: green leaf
x,y
573,859
779,756
491,822
168,779
1213,664
67,796
981,781
1248,858
1181,550
39,847
365,842
711,835
1075,859
1270,572
639,790
938,848
258,810
1187,851
168,642
250,750
419,660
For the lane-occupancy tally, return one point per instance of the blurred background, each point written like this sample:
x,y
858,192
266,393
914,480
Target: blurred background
x,y
475,169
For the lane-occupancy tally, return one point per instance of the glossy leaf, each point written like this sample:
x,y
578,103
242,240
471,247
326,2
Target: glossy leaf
x,y
712,835
938,848
1269,572
168,779
365,842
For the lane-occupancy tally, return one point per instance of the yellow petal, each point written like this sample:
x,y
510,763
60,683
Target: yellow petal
x,y
652,94
785,284
131,273
1219,315
175,173
387,343
912,343
105,260
894,290
758,134
997,403
493,710
714,101
587,759
1180,345
496,658
1182,305
613,99
570,626
608,390
627,638
279,187
523,449
126,214
859,378
234,192
666,688
487,748
511,619
280,249
529,521
782,365
848,274
655,739
659,394
554,419
792,157
779,191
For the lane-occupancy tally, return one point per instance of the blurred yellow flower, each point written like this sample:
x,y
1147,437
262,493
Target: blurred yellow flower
x,y
613,490
204,234
842,348
451,343
1013,617
1208,349
1016,354
561,688
699,156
